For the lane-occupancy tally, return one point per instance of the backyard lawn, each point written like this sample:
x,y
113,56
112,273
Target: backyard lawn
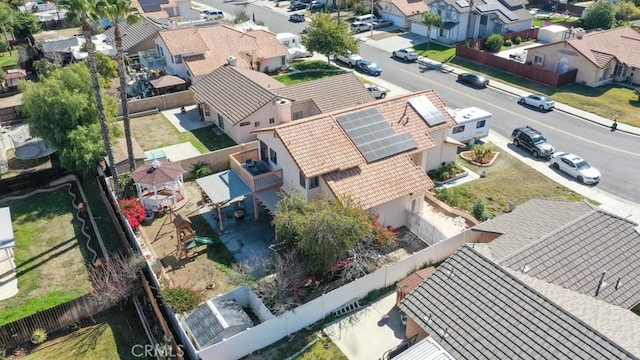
x,y
155,131
112,337
503,187
555,20
49,256
7,59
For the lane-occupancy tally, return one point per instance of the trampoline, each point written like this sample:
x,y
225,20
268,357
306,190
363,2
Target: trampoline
x,y
27,147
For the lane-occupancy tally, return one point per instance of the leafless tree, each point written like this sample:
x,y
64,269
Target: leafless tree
x,y
115,279
365,258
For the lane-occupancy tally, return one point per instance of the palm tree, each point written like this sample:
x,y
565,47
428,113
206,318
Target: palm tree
x,y
116,10
471,4
84,11
431,19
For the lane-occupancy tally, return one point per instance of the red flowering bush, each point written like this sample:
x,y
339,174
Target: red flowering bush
x,y
385,235
133,210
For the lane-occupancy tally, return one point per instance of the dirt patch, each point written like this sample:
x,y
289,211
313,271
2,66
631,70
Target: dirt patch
x,y
58,34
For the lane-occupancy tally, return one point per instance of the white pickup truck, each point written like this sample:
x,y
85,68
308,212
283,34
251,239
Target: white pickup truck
x,y
349,58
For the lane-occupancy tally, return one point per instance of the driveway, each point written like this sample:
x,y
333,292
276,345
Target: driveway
x,y
366,334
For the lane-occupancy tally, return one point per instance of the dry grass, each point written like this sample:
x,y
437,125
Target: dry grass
x,y
58,34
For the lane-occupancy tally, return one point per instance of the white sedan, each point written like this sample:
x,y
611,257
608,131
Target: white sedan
x,y
539,101
406,54
576,166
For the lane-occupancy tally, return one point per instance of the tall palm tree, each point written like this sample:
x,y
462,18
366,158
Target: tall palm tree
x,y
115,11
430,20
84,11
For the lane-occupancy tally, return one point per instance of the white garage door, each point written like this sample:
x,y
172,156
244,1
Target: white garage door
x,y
420,29
397,20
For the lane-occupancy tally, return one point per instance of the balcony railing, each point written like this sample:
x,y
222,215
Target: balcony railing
x,y
151,60
258,175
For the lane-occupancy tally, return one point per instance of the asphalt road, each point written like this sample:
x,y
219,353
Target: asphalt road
x,y
614,154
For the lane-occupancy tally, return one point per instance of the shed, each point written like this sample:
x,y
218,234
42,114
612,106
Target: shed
x,y
13,76
404,286
551,34
216,320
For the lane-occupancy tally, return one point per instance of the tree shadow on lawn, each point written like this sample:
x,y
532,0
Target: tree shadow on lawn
x,y
211,140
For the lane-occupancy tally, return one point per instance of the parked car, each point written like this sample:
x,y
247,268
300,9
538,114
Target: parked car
x,y
381,23
577,167
474,80
316,5
297,18
533,141
542,102
298,6
406,54
377,91
349,58
215,14
368,67
358,27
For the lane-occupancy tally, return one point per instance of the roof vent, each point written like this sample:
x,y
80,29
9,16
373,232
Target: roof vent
x,y
232,61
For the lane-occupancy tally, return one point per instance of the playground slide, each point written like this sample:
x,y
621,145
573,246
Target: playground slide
x,y
203,240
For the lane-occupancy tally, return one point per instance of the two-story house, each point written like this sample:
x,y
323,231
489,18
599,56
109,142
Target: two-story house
x,y
474,19
194,52
600,57
166,9
400,11
239,100
376,154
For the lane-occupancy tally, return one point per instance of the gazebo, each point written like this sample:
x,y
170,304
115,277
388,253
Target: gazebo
x,y
165,83
160,185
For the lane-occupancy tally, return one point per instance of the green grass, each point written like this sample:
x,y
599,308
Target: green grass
x,y
298,78
49,256
7,59
113,337
501,189
155,131
435,51
556,20
103,221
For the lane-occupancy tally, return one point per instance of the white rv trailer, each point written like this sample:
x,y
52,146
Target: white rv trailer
x,y
472,123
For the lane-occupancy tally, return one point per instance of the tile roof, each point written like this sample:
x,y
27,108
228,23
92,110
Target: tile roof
x,y
600,47
183,40
331,93
618,324
410,7
166,81
476,310
576,255
528,222
134,34
221,90
268,44
373,184
319,146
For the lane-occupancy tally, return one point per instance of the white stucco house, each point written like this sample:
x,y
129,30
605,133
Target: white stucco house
x,y
401,11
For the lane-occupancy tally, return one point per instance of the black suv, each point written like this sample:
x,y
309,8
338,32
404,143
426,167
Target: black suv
x,y
532,140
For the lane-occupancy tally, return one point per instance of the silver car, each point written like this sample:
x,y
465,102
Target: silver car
x,y
377,91
539,101
576,167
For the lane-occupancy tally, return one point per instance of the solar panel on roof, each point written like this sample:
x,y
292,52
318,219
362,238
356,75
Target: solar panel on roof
x,y
429,112
373,136
204,324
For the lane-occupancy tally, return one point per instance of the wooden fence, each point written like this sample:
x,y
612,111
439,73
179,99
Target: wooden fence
x,y
53,319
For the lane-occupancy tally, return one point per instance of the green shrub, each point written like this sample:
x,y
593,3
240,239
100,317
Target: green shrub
x,y
494,43
479,211
39,336
637,91
200,169
479,152
182,299
4,46
312,65
517,40
508,43
446,172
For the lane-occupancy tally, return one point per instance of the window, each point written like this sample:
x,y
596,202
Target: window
x,y
303,181
538,59
207,110
273,156
298,115
497,27
220,122
314,182
481,124
618,70
256,124
159,50
272,120
264,150
458,129
245,123
177,59
283,61
483,20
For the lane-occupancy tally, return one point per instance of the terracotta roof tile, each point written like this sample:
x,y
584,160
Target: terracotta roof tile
x,y
410,7
268,44
183,40
600,47
376,183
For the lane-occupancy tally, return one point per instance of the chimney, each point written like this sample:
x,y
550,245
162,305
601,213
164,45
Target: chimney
x,y
283,109
232,61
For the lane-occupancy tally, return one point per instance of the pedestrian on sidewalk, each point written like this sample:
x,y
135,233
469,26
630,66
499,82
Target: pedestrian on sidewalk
x,y
614,126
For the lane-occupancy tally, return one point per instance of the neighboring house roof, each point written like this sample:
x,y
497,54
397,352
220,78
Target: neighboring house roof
x,y
618,324
376,183
576,255
319,145
60,45
600,47
262,79
183,40
15,74
331,93
166,81
475,309
158,14
462,6
222,90
215,320
410,7
268,44
507,11
133,34
529,222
